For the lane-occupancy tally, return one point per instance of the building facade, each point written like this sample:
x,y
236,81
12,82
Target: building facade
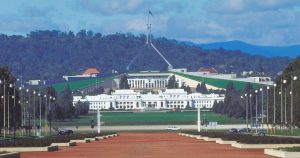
x,y
169,99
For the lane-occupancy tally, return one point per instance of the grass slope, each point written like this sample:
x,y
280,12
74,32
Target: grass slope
x,y
76,85
221,83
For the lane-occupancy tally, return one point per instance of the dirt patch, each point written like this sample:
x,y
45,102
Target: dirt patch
x,y
149,145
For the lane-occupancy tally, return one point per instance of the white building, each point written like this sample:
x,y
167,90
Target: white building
x,y
170,99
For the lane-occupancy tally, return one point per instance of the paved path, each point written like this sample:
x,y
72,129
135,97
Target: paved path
x,y
149,145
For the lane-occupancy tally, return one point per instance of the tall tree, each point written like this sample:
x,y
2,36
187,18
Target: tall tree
x,y
202,89
124,82
172,83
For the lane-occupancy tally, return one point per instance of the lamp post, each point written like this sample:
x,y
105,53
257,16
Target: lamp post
x,y
40,130
285,99
256,119
14,111
274,106
34,125
8,109
50,116
262,106
46,113
250,103
28,111
268,108
50,111
292,123
22,113
4,96
246,105
281,105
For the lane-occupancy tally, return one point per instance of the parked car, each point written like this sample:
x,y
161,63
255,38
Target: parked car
x,y
261,132
62,131
173,128
244,130
233,131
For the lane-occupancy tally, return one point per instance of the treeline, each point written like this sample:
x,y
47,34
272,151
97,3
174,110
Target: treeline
x,y
10,108
285,93
20,105
52,54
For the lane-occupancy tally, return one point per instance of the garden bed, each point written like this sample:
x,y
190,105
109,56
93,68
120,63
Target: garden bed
x,y
5,154
47,141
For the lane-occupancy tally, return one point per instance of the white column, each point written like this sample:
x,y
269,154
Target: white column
x,y
98,120
199,121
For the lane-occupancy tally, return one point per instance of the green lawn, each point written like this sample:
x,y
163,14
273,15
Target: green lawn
x,y
150,118
76,85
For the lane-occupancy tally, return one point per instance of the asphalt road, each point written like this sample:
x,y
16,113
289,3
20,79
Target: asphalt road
x,y
153,127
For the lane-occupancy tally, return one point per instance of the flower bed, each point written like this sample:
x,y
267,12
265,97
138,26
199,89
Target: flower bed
x,y
47,141
247,138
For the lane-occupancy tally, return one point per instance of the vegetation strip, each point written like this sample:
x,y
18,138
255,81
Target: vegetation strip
x,y
9,154
47,141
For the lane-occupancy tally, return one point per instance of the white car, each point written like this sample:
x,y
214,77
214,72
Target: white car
x,y
173,128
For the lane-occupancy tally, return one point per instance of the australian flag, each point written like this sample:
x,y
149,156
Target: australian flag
x,y
150,13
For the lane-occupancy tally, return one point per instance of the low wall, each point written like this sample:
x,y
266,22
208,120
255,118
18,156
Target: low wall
x,y
80,141
68,144
29,149
283,154
262,146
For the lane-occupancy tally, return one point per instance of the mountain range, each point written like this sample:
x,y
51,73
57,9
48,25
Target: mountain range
x,y
291,51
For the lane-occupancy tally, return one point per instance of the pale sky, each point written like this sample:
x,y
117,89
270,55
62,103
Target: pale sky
x,y
262,22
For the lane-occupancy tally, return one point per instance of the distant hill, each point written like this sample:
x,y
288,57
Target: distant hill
x,y
50,54
267,51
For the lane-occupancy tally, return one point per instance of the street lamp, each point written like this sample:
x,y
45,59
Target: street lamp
x,y
285,99
8,109
250,103
28,112
268,107
256,119
34,125
46,113
262,106
40,130
50,111
292,123
4,96
274,108
246,97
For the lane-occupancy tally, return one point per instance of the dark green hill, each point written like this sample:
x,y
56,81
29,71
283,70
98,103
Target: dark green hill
x,y
51,54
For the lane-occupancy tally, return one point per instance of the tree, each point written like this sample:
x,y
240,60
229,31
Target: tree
x,y
68,51
65,102
82,108
198,88
14,111
202,89
172,83
124,82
